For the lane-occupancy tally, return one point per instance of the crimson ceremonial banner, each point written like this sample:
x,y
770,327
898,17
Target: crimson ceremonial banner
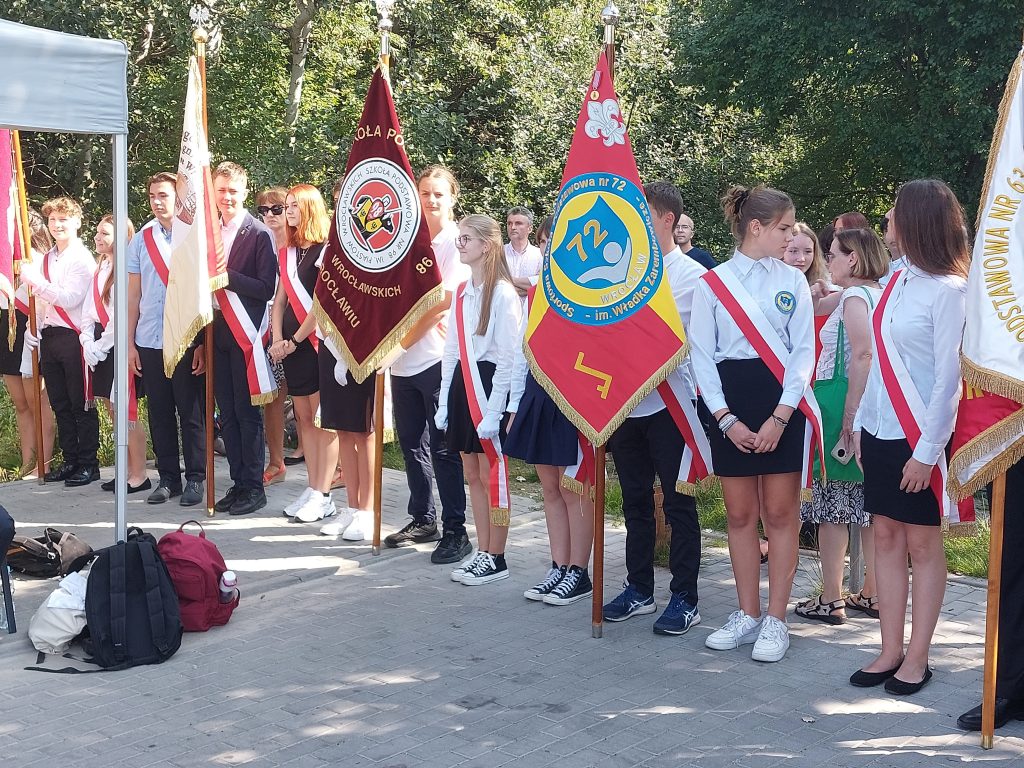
x,y
603,329
195,234
379,274
989,434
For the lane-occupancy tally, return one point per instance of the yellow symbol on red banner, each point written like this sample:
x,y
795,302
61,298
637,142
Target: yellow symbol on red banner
x,y
606,378
970,393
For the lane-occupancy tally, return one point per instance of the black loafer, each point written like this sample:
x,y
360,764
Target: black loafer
x,y
863,679
108,485
193,493
82,476
291,461
898,687
249,500
162,494
228,500
1006,710
145,485
59,474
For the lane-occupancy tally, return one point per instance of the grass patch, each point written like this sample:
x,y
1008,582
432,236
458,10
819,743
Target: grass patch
x,y
968,555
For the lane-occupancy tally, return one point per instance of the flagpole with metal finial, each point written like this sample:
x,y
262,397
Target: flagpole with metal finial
x,y
610,18
200,15
384,26
26,254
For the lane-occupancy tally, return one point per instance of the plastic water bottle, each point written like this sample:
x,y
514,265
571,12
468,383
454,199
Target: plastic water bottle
x,y
228,587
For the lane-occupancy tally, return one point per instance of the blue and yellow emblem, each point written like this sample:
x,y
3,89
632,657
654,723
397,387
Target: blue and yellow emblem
x,y
785,302
603,263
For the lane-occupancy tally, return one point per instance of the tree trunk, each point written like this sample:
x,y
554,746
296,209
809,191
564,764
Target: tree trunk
x,y
301,28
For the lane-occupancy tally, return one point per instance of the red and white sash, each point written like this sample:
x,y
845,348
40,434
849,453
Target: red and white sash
x,y
298,297
159,253
906,401
760,334
251,340
582,474
501,506
696,464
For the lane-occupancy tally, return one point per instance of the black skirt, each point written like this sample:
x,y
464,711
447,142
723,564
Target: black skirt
x,y
301,370
461,433
752,393
540,433
10,359
348,408
883,462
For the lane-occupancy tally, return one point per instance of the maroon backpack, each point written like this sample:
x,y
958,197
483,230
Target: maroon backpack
x,y
196,565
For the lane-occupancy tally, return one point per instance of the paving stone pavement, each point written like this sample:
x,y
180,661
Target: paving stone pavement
x,y
340,658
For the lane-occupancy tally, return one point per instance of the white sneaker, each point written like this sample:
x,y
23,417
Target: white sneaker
x,y
739,630
361,526
292,508
316,507
773,640
460,570
342,521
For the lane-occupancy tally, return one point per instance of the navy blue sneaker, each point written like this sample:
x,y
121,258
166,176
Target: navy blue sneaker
x,y
678,617
629,603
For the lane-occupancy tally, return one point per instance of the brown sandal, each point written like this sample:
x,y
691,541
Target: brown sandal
x,y
818,610
867,605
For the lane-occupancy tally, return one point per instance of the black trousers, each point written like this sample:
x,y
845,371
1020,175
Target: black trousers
x,y
78,429
241,422
426,452
1010,672
176,406
642,448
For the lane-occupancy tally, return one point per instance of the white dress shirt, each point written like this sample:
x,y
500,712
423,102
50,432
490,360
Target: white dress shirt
x,y
927,322
714,336
895,264
70,281
497,345
683,275
429,349
526,264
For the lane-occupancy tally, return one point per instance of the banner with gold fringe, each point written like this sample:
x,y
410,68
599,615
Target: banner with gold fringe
x,y
603,329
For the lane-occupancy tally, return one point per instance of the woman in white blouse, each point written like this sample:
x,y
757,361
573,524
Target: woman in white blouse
x,y
491,312
914,383
759,444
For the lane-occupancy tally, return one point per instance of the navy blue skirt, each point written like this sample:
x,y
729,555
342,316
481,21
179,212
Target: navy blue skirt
x,y
540,433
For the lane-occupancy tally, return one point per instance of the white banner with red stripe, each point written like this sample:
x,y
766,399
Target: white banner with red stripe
x,y
498,490
906,401
696,464
760,334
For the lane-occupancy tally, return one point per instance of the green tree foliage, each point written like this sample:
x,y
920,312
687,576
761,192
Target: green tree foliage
x,y
833,102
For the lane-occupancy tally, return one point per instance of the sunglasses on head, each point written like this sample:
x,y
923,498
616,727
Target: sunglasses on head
x,y
263,210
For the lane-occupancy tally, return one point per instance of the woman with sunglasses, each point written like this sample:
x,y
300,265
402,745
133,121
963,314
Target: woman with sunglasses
x,y
270,207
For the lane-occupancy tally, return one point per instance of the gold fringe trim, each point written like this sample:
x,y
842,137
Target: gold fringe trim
x,y
12,327
806,494
264,398
219,281
361,371
501,516
572,484
688,489
991,381
190,333
997,134
960,530
574,416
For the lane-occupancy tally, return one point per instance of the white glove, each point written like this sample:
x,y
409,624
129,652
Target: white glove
x,y
489,426
391,358
341,372
441,417
84,338
32,342
31,273
89,352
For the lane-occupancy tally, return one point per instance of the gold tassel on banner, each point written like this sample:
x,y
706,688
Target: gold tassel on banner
x,y
501,516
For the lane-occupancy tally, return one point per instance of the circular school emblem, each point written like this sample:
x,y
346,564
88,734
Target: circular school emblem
x,y
785,302
377,214
603,262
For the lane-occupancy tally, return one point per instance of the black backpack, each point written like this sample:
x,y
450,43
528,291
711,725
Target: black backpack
x,y
131,608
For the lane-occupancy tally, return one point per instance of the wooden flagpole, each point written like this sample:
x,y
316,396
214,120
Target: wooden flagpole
x,y
995,572
384,25
26,254
609,17
200,36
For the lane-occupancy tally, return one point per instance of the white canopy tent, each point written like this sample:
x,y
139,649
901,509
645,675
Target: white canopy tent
x,y
71,84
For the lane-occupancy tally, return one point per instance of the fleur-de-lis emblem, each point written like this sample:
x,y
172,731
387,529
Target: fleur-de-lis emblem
x,y
603,122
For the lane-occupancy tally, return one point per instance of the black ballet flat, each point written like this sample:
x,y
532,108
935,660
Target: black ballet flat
x,y
898,687
863,679
291,461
